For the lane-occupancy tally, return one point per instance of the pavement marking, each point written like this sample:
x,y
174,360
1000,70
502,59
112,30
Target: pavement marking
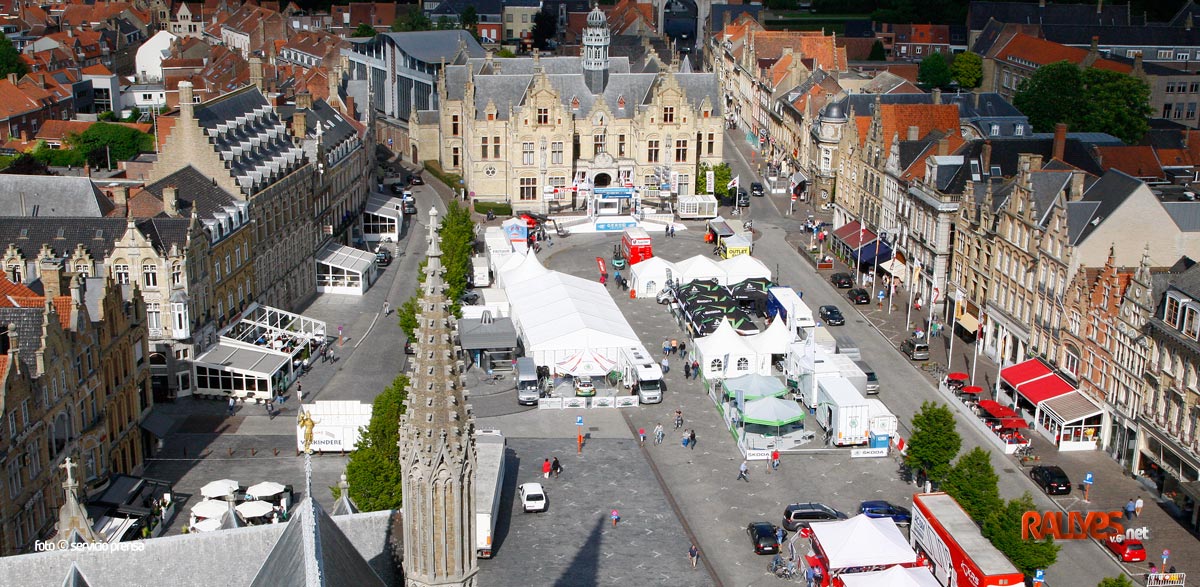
x,y
368,332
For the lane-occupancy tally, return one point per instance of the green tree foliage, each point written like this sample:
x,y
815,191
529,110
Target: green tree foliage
x,y
134,115
934,441
545,28
505,54
103,142
878,53
10,60
1003,528
58,157
458,236
107,116
967,70
722,174
1087,100
972,482
468,19
27,164
1118,581
444,23
374,468
934,72
413,19
363,30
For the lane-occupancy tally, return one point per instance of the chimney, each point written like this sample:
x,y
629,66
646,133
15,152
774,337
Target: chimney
x,y
1137,61
1095,48
937,95
256,72
975,98
299,124
1187,25
914,133
1076,190
120,196
1060,141
170,201
1099,6
304,99
986,156
52,277
186,103
12,78
1041,3
725,21
943,147
77,287
786,51
24,136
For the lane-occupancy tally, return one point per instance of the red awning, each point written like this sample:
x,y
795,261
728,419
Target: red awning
x,y
957,376
846,230
972,389
1024,372
1040,390
995,410
1013,423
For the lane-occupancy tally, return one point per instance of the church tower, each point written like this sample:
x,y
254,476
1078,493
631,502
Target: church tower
x,y
595,51
437,446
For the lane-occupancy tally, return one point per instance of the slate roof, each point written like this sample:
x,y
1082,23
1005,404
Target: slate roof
x,y
1185,214
475,334
29,323
433,46
1127,35
97,235
1006,153
195,192
1098,203
716,14
334,127
313,551
1032,13
51,195
1189,9
1047,185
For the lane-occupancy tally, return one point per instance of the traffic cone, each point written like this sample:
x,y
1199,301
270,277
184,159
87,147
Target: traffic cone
x,y
632,295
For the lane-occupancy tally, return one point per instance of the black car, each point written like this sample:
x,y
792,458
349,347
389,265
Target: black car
x,y
764,537
842,280
408,348
756,190
859,296
397,188
832,315
383,258
882,509
416,180
743,199
1051,479
409,206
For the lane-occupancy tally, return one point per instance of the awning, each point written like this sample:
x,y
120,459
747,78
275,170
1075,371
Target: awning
x,y
971,390
846,230
873,249
158,424
231,355
995,410
968,322
1013,423
720,228
1045,388
350,259
855,236
1073,407
895,268
1024,372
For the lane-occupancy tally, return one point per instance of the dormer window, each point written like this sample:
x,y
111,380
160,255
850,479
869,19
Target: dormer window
x,y
574,103
621,102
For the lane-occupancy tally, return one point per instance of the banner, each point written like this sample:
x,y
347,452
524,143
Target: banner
x,y
710,180
600,264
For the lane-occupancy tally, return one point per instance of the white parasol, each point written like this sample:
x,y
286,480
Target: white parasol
x,y
265,489
207,525
219,489
254,509
210,508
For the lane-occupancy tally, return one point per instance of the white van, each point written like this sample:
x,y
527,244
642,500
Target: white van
x,y
528,390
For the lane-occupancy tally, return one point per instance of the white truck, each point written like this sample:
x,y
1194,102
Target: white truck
x,y
784,302
842,411
882,420
827,365
637,365
481,274
489,482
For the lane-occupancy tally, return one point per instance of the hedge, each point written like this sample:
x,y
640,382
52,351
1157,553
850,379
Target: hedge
x,y
498,208
452,180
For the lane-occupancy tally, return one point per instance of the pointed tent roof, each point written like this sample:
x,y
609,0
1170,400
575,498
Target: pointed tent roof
x,y
754,386
862,542
742,267
653,265
775,340
893,577
312,550
528,267
773,411
231,518
724,340
699,267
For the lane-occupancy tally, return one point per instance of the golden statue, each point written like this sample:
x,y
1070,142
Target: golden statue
x,y
305,421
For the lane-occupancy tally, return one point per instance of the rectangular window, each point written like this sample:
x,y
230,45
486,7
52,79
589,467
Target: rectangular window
x,y
1193,88
620,145
1019,130
454,157
121,274
668,114
652,151
556,152
598,142
454,125
711,142
1171,316
527,153
543,116
153,316
528,188
495,147
1166,113
1191,111
483,151
1166,54
681,151
994,130
150,275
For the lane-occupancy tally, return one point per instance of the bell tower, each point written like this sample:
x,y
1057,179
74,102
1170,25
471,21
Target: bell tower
x,y
595,51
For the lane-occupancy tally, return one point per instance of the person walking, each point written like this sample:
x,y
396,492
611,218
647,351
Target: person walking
x,y
232,405
1130,507
299,393
682,348
666,346
1137,506
695,369
678,417
692,439
674,345
775,459
665,365
809,576
387,308
687,370
556,468
546,469
779,535
658,433
616,517
684,441
743,473
270,405
693,554
642,436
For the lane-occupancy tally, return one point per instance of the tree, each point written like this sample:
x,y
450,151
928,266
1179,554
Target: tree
x,y
877,52
468,19
413,19
27,164
134,115
505,54
58,157
1118,581
1087,100
934,441
933,72
721,176
444,23
545,28
1003,529
10,60
376,482
973,483
967,69
363,30
103,143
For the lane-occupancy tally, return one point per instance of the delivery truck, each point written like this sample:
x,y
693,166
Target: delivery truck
x,y
489,482
882,420
958,551
785,302
481,273
804,376
842,412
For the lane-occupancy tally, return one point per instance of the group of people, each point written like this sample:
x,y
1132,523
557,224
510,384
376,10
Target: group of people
x,y
551,468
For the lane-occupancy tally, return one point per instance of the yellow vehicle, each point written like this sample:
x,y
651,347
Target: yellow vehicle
x,y
732,246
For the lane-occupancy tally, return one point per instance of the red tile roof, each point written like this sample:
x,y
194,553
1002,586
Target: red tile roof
x,y
897,118
1030,49
1136,160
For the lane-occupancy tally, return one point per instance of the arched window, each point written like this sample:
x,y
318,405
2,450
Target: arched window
x,y
716,366
743,364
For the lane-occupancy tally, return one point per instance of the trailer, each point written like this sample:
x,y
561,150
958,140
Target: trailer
x,y
881,419
636,245
957,551
489,483
825,341
842,412
785,302
804,377
481,274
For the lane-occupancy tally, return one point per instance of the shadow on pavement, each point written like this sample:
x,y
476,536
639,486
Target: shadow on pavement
x,y
585,567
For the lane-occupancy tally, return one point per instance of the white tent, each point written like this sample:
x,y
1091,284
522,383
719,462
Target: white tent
x,y
585,362
862,542
724,353
650,276
739,268
893,577
559,315
775,340
699,267
521,268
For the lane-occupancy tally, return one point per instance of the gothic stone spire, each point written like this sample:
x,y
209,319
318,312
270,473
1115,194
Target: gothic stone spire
x,y
437,449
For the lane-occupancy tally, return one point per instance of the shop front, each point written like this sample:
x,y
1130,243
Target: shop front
x,y
1172,469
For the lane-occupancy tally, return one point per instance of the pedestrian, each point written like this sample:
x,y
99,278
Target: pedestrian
x,y
616,517
674,345
556,468
684,441
775,459
1153,569
779,535
1137,506
232,405
666,365
1130,507
695,369
658,433
678,418
387,308
692,439
743,473
270,405
299,393
809,576
693,554
642,436
682,347
546,469
666,346
687,370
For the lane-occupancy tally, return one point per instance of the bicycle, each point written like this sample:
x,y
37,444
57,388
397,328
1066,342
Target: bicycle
x,y
781,568
492,379
1024,451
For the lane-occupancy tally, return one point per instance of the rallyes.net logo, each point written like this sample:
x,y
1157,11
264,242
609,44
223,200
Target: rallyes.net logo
x,y
1079,526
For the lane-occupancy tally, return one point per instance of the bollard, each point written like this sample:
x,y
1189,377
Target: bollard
x,y
276,451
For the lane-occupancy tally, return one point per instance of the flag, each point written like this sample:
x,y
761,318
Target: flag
x,y
733,183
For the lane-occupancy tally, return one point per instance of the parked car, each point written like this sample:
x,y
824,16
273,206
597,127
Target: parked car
x,y
916,349
882,509
1129,550
756,190
397,188
416,180
584,386
799,515
665,296
859,296
832,315
409,206
1051,478
533,497
383,257
763,537
743,199
408,348
842,280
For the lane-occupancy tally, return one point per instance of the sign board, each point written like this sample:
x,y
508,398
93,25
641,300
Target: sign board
x,y
617,226
1088,478
613,193
710,180
860,453
574,402
627,401
757,454
579,420
1077,526
881,295
337,425
607,401
550,403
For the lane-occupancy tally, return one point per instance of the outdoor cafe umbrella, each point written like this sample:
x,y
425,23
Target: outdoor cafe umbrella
x,y
265,489
207,525
219,488
254,509
210,508
772,411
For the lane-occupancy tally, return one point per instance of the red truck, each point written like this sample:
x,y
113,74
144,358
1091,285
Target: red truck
x,y
954,546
